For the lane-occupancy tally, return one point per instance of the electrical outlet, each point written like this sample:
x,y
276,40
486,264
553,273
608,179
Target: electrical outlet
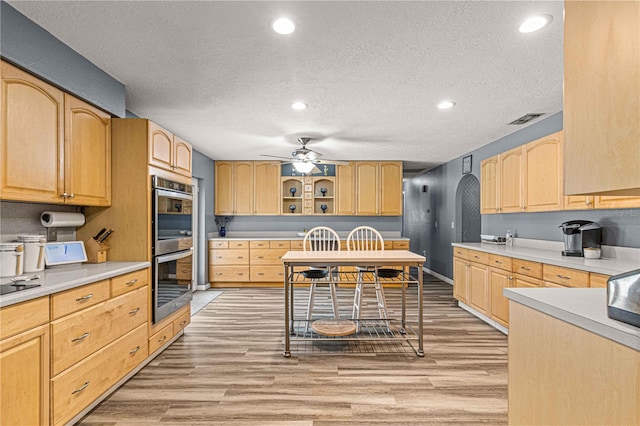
x,y
452,226
52,234
424,253
436,224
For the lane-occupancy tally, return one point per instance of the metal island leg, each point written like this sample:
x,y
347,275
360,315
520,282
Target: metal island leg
x,y
420,319
287,352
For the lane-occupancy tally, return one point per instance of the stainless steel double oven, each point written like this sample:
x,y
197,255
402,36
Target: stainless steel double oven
x,y
172,225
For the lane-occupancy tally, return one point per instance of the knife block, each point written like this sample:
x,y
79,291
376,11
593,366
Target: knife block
x,y
96,252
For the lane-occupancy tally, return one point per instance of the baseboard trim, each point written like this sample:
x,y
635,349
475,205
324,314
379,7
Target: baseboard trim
x,y
437,275
484,318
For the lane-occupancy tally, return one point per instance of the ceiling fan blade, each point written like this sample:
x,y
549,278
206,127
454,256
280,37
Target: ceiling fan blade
x,y
338,162
315,170
276,156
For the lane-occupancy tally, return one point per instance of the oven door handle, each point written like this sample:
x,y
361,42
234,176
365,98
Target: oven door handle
x,y
174,256
172,194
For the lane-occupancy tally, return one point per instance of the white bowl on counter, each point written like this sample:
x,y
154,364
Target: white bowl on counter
x,y
591,253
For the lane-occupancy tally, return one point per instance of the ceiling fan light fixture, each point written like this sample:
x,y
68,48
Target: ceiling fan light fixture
x,y
284,26
303,166
446,104
535,23
299,106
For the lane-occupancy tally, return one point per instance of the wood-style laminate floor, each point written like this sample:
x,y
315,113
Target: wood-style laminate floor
x,y
229,368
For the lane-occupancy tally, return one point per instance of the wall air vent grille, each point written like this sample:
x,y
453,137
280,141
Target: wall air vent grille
x,y
526,118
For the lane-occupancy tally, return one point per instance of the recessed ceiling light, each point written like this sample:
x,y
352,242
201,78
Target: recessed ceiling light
x,y
446,104
299,106
535,23
284,26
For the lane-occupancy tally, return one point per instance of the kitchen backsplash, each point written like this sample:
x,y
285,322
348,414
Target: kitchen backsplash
x,y
24,218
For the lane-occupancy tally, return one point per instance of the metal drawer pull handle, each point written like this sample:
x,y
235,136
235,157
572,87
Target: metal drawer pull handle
x,y
260,257
260,273
240,257
218,257
87,297
84,336
83,387
498,262
134,351
564,277
477,257
132,282
525,268
183,322
163,339
241,273
135,311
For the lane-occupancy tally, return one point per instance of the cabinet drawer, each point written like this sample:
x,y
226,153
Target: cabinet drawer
x,y
460,252
267,256
129,282
259,244
23,316
160,338
229,257
388,245
267,273
500,262
296,245
181,322
228,273
238,244
217,244
82,333
278,244
400,245
598,280
523,281
70,301
479,257
565,276
527,268
80,385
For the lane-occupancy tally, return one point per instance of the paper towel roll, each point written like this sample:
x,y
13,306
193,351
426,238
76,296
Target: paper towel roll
x,y
60,219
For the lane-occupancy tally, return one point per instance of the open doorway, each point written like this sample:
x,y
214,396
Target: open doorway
x,y
468,210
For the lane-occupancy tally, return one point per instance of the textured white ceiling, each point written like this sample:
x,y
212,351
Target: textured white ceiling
x,y
372,73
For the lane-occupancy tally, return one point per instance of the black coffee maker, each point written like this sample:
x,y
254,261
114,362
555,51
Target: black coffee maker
x,y
579,234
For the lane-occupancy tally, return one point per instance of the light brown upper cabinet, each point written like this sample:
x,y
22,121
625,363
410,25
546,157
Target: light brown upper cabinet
x,y
55,148
511,176
542,181
612,202
345,189
234,191
527,178
578,202
266,186
601,102
378,189
168,151
490,185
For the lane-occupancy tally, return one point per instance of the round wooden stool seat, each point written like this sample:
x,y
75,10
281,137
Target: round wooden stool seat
x,y
333,327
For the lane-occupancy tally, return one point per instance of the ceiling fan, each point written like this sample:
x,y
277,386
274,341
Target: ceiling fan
x,y
304,159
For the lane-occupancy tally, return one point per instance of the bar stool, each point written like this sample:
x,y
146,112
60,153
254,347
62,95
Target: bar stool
x,y
366,238
321,238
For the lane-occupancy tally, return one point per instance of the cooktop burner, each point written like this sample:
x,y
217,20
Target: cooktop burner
x,y
12,288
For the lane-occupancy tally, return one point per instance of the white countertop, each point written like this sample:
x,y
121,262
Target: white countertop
x,y
66,277
606,266
583,307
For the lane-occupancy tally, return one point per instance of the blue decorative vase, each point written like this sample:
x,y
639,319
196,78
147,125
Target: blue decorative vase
x,y
223,231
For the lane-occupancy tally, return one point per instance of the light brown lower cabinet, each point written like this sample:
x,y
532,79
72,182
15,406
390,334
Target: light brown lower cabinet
x,y
479,287
498,304
461,279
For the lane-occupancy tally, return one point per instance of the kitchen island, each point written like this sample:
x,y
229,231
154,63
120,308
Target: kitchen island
x,y
568,362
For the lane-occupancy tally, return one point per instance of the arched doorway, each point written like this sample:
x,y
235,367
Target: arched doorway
x,y
468,210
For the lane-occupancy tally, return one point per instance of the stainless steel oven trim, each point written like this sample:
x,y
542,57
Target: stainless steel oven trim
x,y
172,194
174,256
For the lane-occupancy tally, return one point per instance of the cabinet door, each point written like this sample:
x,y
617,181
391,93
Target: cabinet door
x,y
390,188
490,185
511,181
601,102
243,187
24,382
345,189
87,154
223,196
478,287
543,170
578,202
460,279
32,141
498,304
182,152
160,147
366,188
608,202
267,187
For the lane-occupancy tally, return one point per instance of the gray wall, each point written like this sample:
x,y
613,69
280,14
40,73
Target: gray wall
x,y
202,167
31,47
298,223
428,216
